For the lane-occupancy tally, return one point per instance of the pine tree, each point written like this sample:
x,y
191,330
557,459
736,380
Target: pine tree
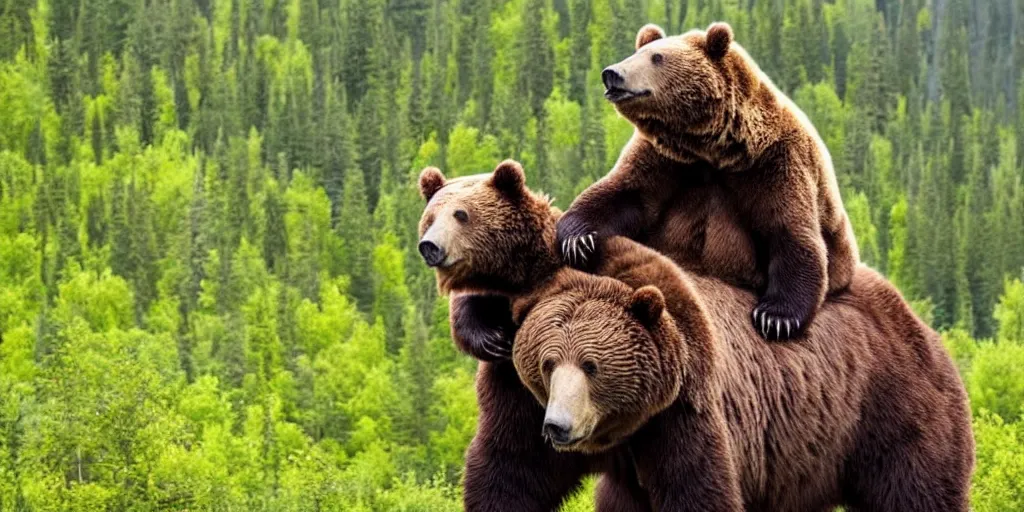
x,y
354,228
275,233
538,57
483,55
337,152
579,53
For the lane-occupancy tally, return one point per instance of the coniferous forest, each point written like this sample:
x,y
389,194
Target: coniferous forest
x,y
210,297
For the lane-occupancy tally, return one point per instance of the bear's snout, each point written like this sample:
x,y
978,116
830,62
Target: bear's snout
x,y
612,78
432,253
557,430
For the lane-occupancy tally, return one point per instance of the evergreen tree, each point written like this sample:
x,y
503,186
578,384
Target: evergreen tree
x,y
354,227
579,56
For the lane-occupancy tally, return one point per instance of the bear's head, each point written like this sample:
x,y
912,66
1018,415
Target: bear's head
x,y
679,83
601,357
486,232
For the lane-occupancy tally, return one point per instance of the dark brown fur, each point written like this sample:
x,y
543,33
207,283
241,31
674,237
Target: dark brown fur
x,y
867,412
504,248
724,174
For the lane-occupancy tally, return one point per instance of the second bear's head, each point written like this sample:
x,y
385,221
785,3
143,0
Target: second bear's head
x,y
601,357
679,82
486,232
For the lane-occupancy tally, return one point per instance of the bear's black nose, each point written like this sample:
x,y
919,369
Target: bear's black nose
x,y
558,433
432,254
612,79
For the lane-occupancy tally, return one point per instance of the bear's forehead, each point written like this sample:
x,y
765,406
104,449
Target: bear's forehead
x,y
458,187
690,39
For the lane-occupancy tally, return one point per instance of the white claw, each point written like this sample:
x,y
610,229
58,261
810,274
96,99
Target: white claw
x,y
487,348
575,250
798,325
565,249
591,238
764,330
787,328
493,347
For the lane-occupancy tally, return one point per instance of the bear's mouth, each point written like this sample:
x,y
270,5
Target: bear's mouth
x,y
568,445
619,95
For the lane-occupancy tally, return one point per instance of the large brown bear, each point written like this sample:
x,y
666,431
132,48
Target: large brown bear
x,y
868,412
724,174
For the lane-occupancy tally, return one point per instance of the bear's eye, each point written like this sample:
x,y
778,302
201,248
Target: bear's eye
x,y
548,365
657,58
589,368
461,216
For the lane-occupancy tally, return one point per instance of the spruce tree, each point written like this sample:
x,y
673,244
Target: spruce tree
x,y
354,227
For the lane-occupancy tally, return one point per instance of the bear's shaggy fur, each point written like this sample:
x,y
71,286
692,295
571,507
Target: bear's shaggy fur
x,y
489,238
867,412
724,174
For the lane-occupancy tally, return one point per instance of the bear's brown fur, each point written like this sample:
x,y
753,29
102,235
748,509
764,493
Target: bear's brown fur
x,y
867,412
724,174
489,238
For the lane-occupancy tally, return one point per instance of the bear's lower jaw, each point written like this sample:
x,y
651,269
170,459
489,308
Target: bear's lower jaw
x,y
619,95
585,446
592,443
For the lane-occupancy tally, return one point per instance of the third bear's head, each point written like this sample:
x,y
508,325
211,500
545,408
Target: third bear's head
x,y
601,357
487,231
676,82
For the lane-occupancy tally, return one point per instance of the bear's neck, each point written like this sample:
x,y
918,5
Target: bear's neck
x,y
525,271
733,141
534,272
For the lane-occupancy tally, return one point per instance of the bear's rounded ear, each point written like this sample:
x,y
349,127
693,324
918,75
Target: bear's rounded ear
x,y
719,37
649,32
431,180
647,304
509,179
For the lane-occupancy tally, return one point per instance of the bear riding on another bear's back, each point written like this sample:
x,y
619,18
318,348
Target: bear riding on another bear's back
x,y
724,174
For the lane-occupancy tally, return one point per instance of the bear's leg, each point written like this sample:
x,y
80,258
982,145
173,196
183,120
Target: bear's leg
x,y
602,214
619,490
683,460
482,325
796,286
842,257
909,460
509,466
897,481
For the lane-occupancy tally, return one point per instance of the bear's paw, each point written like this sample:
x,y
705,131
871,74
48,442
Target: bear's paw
x,y
777,319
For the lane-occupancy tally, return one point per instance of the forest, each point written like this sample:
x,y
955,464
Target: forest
x,y
210,297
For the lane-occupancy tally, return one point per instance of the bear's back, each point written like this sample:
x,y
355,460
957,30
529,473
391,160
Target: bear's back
x,y
798,410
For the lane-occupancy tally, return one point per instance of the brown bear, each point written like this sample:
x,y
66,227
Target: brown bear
x,y
724,174
490,239
867,412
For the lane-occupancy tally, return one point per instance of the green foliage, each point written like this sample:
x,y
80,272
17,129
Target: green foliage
x,y
999,477
994,381
210,294
1010,312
